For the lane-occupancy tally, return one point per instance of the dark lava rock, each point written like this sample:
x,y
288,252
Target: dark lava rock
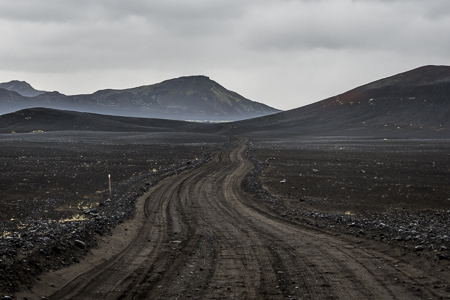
x,y
80,244
442,256
419,248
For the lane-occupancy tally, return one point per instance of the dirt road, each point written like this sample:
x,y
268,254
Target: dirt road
x,y
202,237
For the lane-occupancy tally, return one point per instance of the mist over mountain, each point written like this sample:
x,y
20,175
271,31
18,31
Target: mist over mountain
x,y
413,103
184,98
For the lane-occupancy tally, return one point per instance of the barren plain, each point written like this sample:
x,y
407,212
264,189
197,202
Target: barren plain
x,y
207,216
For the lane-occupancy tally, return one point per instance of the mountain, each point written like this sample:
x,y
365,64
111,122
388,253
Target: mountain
x,y
21,87
184,98
407,105
194,97
413,103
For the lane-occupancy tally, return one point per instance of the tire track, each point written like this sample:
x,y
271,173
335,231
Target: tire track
x,y
210,240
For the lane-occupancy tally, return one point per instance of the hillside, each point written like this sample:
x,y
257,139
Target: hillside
x,y
45,119
185,98
413,103
194,97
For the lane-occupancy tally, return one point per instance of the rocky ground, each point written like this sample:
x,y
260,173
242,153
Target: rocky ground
x,y
394,191
55,198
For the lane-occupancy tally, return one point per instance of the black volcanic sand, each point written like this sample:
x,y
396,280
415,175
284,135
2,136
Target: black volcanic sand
x,y
55,195
54,190
392,190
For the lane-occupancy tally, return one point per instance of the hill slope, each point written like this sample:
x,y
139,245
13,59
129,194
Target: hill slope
x,y
193,97
413,103
47,119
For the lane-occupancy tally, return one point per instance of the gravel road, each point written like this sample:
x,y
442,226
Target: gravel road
x,y
198,235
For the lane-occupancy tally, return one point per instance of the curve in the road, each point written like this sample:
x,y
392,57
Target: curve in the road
x,y
202,237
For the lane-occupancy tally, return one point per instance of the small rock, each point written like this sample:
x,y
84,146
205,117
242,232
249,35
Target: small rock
x,y
418,248
442,256
80,244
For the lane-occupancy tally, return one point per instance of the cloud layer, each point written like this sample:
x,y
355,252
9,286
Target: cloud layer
x,y
284,53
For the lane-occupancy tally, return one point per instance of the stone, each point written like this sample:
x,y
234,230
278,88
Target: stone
x,y
418,248
80,244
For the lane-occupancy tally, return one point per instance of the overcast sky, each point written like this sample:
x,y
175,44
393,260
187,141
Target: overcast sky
x,y
284,53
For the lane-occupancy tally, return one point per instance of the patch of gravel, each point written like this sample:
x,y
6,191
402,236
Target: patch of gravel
x,y
422,231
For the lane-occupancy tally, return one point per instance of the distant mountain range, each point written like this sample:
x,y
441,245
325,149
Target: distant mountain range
x,y
184,98
21,87
407,105
413,103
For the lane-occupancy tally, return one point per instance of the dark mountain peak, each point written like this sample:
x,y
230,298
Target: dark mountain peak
x,y
192,78
197,81
426,74
185,82
14,82
422,76
196,97
417,83
413,103
21,87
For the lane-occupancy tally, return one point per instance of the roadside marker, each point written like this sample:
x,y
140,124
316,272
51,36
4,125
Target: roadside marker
x,y
109,179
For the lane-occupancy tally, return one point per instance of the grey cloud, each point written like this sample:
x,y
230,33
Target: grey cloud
x,y
432,9
360,24
168,11
244,45
110,34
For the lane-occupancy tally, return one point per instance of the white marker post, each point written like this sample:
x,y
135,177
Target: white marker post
x,y
109,179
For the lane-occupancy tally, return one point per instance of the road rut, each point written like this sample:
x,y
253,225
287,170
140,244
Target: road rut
x,y
202,237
